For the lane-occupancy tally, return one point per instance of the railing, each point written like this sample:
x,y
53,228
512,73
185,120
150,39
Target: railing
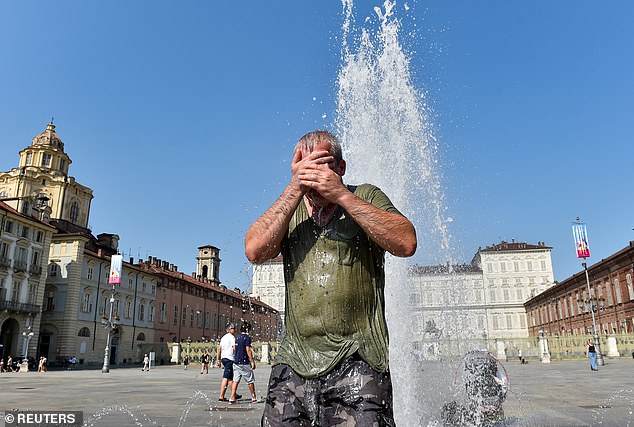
x,y
19,266
19,307
5,261
35,269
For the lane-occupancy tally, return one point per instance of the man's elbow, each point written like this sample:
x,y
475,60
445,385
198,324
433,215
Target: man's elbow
x,y
409,248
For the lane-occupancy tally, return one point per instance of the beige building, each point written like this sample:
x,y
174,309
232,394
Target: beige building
x,y
268,285
467,306
76,296
24,243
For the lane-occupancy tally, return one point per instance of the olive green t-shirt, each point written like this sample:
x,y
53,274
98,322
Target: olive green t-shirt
x,y
335,280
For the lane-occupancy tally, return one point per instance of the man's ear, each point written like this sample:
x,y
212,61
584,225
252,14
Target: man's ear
x,y
342,167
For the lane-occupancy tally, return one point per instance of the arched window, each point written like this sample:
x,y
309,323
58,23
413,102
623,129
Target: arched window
x,y
140,337
205,268
74,212
84,332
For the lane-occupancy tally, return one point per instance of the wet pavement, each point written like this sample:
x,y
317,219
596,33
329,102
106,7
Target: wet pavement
x,y
562,393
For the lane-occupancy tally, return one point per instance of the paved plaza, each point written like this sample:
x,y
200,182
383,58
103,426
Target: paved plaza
x,y
563,393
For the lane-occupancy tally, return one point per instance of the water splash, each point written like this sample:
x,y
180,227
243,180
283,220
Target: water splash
x,y
387,137
140,420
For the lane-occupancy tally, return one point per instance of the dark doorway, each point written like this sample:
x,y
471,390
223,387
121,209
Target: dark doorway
x,y
9,337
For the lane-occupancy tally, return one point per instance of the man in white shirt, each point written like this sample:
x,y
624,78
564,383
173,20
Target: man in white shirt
x,y
225,357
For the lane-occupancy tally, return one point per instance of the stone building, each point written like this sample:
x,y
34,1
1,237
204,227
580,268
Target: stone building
x,y
566,309
24,243
268,285
197,308
472,305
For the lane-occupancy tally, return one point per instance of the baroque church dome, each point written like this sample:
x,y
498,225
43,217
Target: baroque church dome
x,y
49,137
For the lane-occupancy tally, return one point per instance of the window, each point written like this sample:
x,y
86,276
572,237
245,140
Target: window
x,y
184,316
154,290
86,307
90,271
176,315
141,311
140,337
608,293
62,164
130,283
39,236
516,266
104,300
50,301
150,314
52,269
199,319
116,307
144,287
529,265
4,249
74,212
163,312
543,265
26,231
128,309
29,157
8,227
509,321
617,290
630,289
32,293
506,295
503,267
15,291
191,318
520,295
492,295
46,160
84,332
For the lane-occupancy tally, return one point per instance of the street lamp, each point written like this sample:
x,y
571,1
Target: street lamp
x,y
593,305
27,334
111,325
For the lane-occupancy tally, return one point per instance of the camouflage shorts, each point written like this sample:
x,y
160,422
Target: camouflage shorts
x,y
353,394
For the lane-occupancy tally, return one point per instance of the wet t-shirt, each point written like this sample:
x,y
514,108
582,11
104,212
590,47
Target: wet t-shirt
x,y
334,291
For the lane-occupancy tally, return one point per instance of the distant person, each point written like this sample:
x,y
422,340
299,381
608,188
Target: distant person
x,y
1,365
186,361
591,352
243,365
225,358
146,363
204,362
9,367
333,238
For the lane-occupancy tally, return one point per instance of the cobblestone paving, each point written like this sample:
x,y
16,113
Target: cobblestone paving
x,y
563,393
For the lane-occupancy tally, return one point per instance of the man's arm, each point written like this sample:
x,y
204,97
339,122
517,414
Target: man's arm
x,y
250,354
391,231
264,238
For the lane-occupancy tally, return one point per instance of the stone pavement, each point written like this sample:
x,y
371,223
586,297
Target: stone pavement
x,y
563,393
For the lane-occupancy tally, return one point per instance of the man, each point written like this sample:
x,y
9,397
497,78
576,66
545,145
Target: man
x,y
146,363
333,362
243,365
225,357
204,362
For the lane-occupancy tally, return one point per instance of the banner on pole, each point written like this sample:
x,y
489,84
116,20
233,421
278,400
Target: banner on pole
x,y
116,263
580,235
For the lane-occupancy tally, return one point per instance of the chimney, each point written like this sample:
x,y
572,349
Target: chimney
x,y
132,260
175,268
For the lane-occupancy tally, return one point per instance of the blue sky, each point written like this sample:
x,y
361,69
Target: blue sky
x,y
181,116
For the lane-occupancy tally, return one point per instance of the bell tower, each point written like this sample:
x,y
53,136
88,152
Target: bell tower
x,y
208,263
43,173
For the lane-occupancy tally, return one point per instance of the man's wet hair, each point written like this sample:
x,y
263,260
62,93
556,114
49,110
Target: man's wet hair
x,y
323,135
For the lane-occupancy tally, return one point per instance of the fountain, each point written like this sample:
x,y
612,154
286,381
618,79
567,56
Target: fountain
x,y
387,137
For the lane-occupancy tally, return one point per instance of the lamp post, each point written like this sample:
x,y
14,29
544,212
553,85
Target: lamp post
x,y
580,235
110,324
27,335
594,305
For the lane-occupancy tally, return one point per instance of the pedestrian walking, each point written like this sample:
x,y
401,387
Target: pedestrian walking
x,y
204,363
591,352
146,363
243,365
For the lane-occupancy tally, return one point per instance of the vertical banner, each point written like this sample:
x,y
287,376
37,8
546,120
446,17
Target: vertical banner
x,y
580,235
115,269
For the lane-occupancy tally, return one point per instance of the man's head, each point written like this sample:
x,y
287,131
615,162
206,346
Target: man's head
x,y
244,328
231,328
321,138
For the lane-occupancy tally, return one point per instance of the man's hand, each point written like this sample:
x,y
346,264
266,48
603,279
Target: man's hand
x,y
306,165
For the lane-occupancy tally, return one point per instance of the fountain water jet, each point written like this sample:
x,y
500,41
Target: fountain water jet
x,y
387,138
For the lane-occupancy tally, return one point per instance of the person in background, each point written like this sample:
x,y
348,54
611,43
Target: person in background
x,y
204,363
225,358
243,365
591,352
